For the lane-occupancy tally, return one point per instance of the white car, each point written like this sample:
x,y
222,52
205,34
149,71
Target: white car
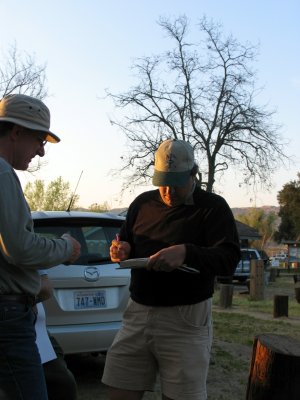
x,y
90,295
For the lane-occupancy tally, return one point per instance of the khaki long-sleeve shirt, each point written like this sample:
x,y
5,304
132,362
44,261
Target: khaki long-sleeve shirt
x,y
22,251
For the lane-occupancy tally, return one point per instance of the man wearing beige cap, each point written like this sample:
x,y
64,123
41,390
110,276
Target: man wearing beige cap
x,y
24,131
187,237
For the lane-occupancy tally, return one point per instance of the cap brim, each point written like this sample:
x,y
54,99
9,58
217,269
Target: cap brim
x,y
161,178
51,137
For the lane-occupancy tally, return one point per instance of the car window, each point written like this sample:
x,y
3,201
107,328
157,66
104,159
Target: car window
x,y
253,255
248,255
263,254
244,255
98,239
95,240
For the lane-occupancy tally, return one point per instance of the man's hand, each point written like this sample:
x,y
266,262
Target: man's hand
x,y
46,289
168,259
76,247
119,250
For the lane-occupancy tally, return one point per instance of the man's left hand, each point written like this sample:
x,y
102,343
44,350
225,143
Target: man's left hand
x,y
167,259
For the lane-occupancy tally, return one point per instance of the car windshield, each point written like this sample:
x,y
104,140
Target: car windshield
x,y
95,240
248,255
263,254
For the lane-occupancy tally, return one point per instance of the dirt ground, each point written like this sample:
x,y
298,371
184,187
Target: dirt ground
x,y
221,384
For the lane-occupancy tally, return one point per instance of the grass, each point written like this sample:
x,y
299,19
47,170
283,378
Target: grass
x,y
283,286
265,306
241,329
235,329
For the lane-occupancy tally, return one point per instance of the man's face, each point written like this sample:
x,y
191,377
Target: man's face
x,y
28,144
176,195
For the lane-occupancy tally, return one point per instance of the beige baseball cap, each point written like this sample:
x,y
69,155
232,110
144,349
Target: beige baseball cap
x,y
28,112
174,160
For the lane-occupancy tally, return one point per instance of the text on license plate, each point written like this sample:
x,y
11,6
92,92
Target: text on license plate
x,y
86,300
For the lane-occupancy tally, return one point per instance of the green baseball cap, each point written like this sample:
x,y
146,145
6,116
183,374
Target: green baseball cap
x,y
174,160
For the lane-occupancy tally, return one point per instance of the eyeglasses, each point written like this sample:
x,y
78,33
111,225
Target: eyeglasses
x,y
42,141
39,137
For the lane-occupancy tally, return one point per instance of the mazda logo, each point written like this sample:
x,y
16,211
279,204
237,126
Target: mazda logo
x,y
91,274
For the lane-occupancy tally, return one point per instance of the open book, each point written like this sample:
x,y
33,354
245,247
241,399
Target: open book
x,y
134,263
142,263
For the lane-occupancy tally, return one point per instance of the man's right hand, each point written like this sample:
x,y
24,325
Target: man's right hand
x,y
119,250
75,245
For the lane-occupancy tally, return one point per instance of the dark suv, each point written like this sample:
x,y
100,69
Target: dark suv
x,y
90,295
242,272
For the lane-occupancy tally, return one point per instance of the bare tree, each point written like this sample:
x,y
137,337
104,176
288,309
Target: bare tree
x,y
19,73
203,93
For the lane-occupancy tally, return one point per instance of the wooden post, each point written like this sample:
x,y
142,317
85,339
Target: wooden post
x,y
275,368
297,293
257,280
273,274
296,278
280,306
226,293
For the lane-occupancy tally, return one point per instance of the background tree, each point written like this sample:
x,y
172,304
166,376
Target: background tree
x,y
204,93
19,73
35,194
289,211
56,196
95,207
264,223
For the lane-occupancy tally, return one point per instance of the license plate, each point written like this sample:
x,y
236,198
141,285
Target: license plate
x,y
88,300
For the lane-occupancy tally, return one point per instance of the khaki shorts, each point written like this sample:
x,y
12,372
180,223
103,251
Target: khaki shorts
x,y
173,342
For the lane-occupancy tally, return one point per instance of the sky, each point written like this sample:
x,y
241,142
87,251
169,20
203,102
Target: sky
x,y
89,46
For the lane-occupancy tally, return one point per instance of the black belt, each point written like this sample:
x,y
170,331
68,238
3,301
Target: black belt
x,y
18,298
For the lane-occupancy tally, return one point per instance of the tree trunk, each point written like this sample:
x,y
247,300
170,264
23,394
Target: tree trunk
x,y
275,368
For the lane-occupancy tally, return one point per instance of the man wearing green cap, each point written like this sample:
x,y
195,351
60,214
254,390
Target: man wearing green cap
x,y
24,131
188,237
